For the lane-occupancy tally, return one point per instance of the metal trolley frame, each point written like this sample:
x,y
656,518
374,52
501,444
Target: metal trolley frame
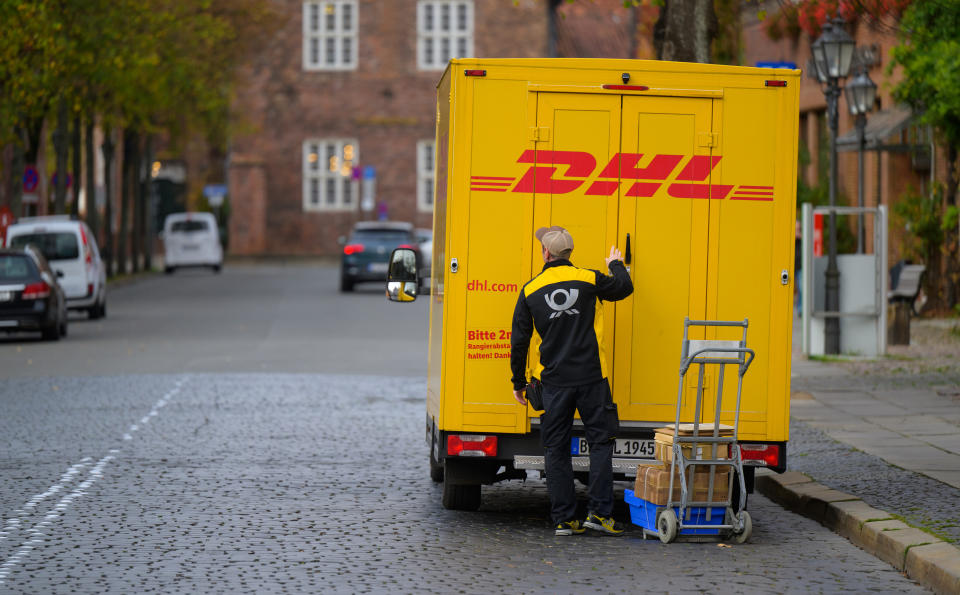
x,y
736,522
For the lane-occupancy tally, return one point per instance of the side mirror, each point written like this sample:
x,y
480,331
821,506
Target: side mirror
x,y
402,276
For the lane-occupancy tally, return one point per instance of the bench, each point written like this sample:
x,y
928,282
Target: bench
x,y
905,288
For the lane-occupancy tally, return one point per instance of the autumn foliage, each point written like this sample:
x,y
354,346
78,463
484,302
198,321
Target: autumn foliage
x,y
808,16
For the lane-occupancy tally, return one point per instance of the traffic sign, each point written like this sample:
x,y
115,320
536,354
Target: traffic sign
x,y
211,190
31,179
53,180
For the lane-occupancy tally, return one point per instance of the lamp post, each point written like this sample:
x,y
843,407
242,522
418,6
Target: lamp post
x,y
861,93
832,54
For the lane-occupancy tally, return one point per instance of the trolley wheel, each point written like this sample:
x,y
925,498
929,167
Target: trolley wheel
x,y
667,525
746,528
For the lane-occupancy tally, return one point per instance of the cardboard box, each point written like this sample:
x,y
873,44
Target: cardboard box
x,y
653,484
663,447
706,429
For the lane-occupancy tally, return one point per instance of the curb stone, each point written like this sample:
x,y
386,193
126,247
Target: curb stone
x,y
932,562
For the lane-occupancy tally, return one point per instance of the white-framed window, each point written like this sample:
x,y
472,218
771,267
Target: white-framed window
x,y
330,35
444,31
328,181
426,171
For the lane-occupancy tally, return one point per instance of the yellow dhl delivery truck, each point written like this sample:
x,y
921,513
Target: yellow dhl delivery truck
x,y
690,169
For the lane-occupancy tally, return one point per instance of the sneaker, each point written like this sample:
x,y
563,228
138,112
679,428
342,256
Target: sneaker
x,y
603,524
569,528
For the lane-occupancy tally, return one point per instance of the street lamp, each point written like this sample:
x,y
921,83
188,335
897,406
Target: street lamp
x,y
832,54
861,93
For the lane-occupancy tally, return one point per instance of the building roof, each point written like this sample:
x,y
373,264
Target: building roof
x,y
880,126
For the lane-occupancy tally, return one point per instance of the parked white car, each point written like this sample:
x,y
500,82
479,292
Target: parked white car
x,y
72,252
191,240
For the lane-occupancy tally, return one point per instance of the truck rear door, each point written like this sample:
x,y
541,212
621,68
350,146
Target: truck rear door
x,y
664,208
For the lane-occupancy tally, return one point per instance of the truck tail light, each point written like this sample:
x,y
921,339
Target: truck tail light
x,y
36,291
760,455
475,72
775,83
470,445
353,249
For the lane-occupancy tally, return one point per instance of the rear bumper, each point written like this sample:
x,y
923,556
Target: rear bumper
x,y
520,452
27,320
193,261
360,273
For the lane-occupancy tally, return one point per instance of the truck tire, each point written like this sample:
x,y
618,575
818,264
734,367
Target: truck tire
x,y
436,470
460,496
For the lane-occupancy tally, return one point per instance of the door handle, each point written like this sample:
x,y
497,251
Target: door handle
x,y
626,255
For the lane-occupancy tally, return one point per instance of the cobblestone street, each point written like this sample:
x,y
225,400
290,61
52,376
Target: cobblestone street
x,y
308,483
197,472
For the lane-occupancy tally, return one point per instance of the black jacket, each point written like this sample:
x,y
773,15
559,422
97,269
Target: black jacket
x,y
562,304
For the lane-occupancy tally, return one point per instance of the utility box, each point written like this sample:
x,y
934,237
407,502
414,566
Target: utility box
x,y
690,169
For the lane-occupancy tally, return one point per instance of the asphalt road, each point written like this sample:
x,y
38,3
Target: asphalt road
x,y
247,319
259,432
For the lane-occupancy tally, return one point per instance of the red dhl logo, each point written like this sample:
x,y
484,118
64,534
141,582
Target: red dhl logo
x,y
645,180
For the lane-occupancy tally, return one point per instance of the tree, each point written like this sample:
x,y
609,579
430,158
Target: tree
x,y
929,56
685,30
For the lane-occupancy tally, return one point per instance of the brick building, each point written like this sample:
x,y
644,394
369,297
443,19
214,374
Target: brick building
x,y
349,85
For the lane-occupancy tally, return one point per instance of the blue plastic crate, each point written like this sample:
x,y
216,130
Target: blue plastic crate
x,y
644,514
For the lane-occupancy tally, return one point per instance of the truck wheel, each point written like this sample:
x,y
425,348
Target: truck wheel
x,y
461,497
436,470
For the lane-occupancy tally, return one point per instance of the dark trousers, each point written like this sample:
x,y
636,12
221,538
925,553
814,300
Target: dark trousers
x,y
599,415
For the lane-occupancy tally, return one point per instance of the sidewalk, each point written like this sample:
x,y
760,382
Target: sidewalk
x,y
904,409
874,451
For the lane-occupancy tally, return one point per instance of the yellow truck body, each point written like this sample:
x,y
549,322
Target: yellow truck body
x,y
691,168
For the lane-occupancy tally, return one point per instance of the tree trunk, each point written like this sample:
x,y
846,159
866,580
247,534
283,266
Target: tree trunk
x,y
685,30
31,137
147,192
17,165
108,150
75,153
61,145
92,214
123,228
951,249
136,191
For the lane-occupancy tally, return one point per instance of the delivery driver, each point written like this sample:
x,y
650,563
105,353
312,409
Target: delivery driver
x,y
562,304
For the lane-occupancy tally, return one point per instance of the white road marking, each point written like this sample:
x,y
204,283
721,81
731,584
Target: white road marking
x,y
20,516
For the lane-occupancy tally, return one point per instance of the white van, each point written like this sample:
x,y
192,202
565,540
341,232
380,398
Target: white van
x,y
191,240
70,248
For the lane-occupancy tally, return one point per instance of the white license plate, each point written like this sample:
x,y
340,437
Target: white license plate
x,y
6,296
377,267
625,447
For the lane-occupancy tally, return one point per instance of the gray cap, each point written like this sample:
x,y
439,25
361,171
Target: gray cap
x,y
556,240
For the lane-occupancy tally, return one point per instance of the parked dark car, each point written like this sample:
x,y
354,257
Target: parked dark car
x,y
31,299
366,253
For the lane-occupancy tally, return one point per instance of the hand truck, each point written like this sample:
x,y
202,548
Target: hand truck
x,y
676,515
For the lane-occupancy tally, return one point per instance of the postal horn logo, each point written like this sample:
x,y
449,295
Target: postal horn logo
x,y
561,300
